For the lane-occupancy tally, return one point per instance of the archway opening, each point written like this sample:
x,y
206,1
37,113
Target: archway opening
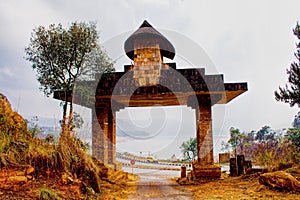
x,y
156,131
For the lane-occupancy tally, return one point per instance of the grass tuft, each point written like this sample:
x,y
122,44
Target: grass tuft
x,y
48,194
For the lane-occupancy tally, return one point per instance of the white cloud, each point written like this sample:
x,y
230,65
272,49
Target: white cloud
x,y
5,71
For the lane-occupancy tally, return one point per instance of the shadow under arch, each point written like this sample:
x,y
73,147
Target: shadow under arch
x,y
157,95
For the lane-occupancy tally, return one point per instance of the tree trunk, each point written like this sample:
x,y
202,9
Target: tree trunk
x,y
64,120
70,117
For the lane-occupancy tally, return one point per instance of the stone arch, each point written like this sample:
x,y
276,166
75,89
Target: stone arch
x,y
150,81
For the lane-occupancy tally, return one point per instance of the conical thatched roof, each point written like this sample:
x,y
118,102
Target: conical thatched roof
x,y
146,31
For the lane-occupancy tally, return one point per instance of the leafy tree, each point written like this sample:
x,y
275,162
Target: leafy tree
x,y
263,133
248,139
296,122
241,142
293,137
291,92
96,63
77,121
60,56
250,136
189,149
225,146
236,137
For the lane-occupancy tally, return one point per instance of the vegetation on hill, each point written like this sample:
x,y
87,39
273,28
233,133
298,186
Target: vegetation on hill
x,y
266,147
14,135
66,165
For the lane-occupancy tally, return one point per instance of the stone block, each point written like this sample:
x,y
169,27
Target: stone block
x,y
205,171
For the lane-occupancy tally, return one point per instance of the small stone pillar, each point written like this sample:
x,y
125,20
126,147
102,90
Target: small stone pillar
x,y
233,167
183,171
241,164
237,165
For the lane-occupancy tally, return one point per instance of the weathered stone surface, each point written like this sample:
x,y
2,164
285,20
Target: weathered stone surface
x,y
280,180
148,64
239,165
224,157
204,134
205,171
183,172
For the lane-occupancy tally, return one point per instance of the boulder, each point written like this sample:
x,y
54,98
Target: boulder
x,y
280,180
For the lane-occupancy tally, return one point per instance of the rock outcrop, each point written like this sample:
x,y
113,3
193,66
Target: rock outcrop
x,y
14,135
280,180
11,122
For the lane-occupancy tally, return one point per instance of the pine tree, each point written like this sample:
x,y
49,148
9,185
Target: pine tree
x,y
291,92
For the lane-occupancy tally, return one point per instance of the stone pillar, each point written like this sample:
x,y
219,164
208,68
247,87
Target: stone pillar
x,y
104,133
111,138
204,167
204,135
99,134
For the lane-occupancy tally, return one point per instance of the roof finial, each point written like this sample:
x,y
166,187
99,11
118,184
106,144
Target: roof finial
x,y
145,24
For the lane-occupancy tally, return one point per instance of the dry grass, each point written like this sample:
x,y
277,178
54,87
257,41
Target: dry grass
x,y
247,187
54,163
59,168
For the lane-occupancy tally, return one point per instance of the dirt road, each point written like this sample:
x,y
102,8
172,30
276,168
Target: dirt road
x,y
157,184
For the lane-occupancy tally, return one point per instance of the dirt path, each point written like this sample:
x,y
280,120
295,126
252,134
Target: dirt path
x,y
156,185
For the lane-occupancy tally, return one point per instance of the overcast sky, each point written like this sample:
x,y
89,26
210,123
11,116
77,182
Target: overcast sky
x,y
248,41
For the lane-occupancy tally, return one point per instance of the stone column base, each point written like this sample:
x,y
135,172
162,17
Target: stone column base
x,y
201,171
116,165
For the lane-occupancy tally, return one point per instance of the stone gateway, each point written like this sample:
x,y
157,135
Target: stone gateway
x,y
149,81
